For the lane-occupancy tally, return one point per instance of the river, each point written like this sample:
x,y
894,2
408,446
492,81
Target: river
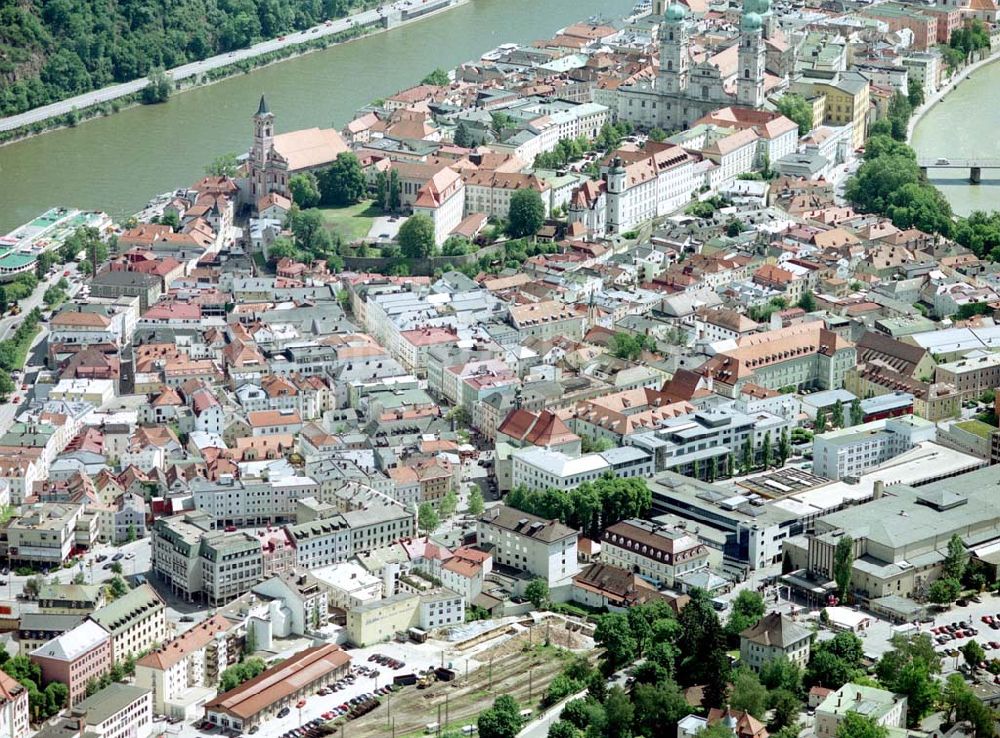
x,y
964,125
117,163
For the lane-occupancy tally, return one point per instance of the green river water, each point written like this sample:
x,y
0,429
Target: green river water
x,y
964,125
118,163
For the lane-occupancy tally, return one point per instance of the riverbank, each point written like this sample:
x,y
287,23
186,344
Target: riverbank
x,y
941,94
109,100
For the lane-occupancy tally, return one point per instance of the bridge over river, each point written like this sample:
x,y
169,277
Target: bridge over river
x,y
975,166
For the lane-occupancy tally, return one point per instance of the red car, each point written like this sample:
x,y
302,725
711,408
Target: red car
x,y
328,716
66,273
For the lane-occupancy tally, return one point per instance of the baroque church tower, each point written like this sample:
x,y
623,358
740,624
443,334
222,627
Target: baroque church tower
x,y
752,54
263,143
674,50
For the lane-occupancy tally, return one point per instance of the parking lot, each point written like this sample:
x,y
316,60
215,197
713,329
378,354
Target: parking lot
x,y
367,678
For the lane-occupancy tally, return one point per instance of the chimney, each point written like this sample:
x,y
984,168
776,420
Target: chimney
x,y
879,490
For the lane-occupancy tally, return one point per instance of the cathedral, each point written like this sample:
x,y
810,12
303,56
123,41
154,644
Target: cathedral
x,y
275,158
684,90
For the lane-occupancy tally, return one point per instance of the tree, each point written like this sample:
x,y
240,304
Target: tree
x,y
564,729
537,592
837,415
784,447
944,591
117,586
157,90
747,609
973,653
614,635
475,502
79,578
499,122
526,213
747,462
768,450
807,302
56,695
343,182
835,662
734,227
820,423
438,77
427,518
628,345
244,671
586,713
956,559
30,589
843,563
909,669
702,647
462,136
503,720
116,567
305,190
455,246
718,729
914,93
658,707
785,705
857,413
620,713
449,503
6,384
657,135
748,694
796,108
224,165
856,725
781,674
416,236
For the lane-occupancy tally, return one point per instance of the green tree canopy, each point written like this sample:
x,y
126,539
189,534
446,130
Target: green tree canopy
x,y
437,77
526,214
856,725
416,236
537,592
305,190
427,518
797,109
343,182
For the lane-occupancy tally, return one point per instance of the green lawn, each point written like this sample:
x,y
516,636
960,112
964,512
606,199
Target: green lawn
x,y
352,222
977,427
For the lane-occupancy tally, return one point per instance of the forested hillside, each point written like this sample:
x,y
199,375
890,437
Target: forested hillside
x,y
53,49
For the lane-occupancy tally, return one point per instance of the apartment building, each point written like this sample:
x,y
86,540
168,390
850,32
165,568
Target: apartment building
x,y
14,722
803,356
775,636
543,548
971,375
44,535
850,452
182,672
202,564
239,503
117,711
539,468
657,552
135,621
75,658
884,707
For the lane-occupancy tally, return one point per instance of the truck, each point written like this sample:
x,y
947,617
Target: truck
x,y
404,680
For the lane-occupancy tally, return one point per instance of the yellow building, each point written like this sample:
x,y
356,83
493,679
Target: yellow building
x,y
381,620
847,100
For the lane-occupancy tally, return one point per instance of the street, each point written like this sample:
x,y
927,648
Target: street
x,y
107,94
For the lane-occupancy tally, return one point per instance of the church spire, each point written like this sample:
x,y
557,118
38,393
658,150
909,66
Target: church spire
x,y
262,108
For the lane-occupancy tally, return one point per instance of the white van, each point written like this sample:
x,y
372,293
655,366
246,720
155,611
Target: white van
x,y
431,728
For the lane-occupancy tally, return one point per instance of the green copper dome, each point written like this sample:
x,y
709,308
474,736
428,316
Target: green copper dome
x,y
756,6
675,13
752,22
